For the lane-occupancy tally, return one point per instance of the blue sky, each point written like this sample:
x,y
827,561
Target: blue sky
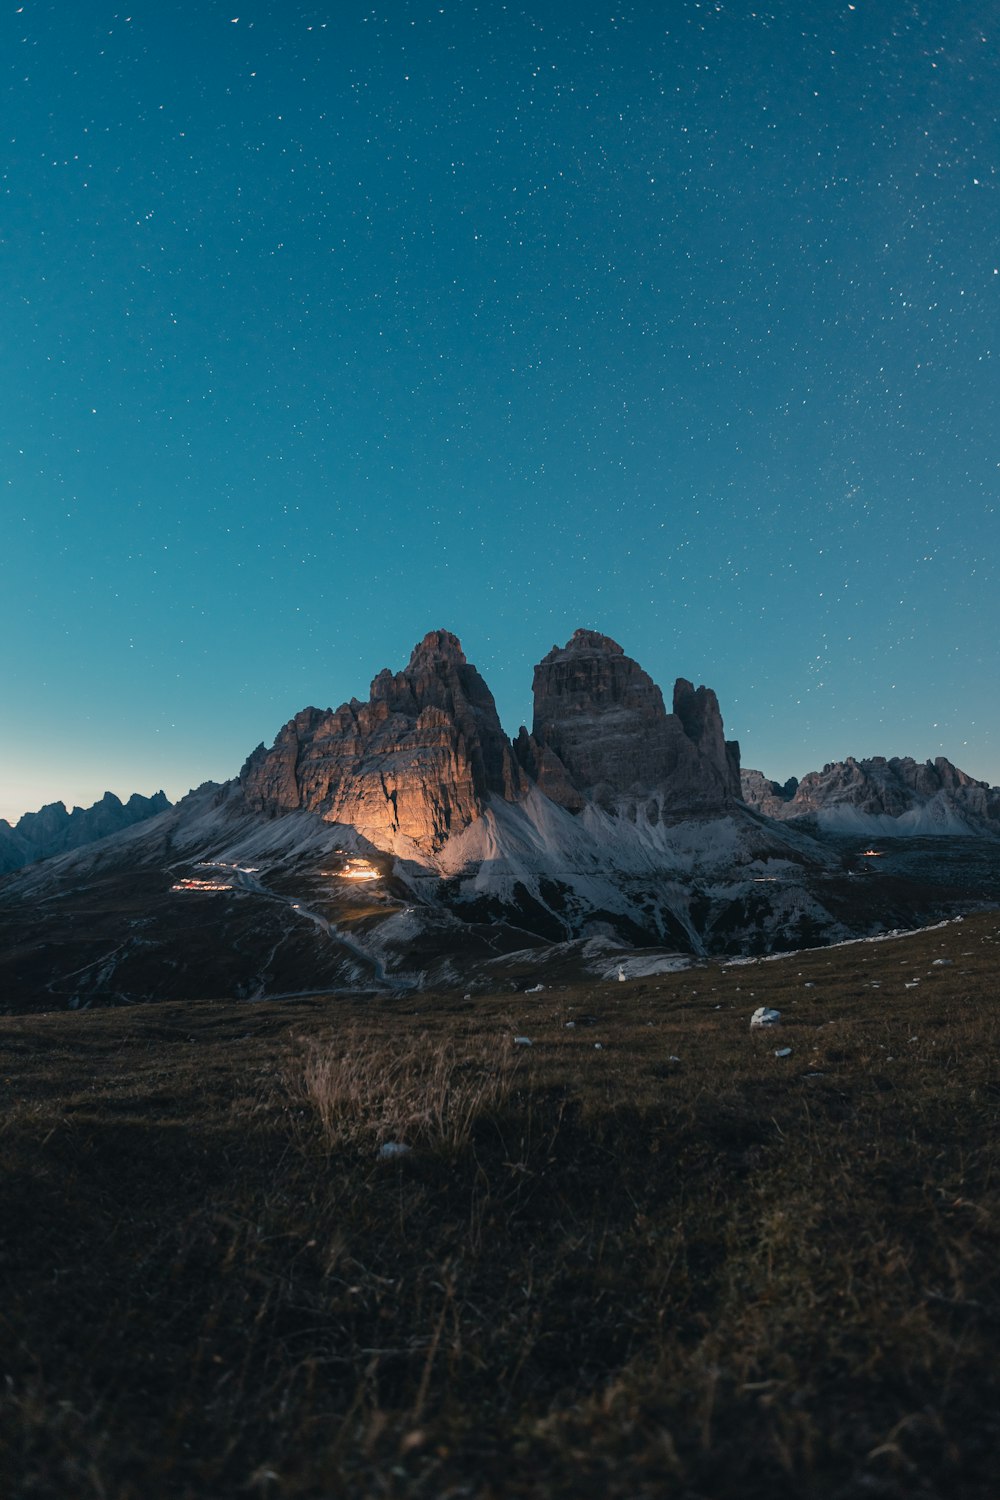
x,y
324,326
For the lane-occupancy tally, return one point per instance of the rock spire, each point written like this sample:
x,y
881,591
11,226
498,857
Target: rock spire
x,y
603,720
420,760
415,763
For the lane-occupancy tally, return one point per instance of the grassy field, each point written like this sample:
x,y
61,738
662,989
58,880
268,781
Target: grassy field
x,y
644,1256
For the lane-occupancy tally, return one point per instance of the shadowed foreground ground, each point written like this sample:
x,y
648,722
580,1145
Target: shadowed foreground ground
x,y
600,1271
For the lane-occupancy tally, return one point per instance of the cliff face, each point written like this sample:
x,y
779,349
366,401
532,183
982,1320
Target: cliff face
x,y
928,796
603,720
764,796
416,762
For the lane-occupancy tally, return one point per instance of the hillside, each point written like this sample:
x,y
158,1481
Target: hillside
x,y
645,1255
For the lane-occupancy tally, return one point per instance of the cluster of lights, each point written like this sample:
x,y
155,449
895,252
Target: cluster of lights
x,y
220,864
201,885
355,869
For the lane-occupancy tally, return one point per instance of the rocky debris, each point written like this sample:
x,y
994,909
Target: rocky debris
x,y
602,719
393,1149
764,1016
55,830
929,796
415,763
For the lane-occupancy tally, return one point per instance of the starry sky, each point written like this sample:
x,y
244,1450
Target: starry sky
x,y
326,325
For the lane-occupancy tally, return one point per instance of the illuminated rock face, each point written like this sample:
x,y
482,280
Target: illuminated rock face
x,y
415,763
418,762
601,719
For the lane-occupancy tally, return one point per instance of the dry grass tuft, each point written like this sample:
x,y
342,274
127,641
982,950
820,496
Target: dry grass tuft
x,y
418,1091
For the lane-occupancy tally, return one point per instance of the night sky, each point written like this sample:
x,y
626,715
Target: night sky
x,y
327,325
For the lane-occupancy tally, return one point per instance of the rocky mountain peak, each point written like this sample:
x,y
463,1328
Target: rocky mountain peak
x,y
602,718
419,761
411,767
920,797
438,644
54,829
585,642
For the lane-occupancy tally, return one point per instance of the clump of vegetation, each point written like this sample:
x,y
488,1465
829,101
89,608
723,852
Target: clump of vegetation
x,y
676,1263
403,1089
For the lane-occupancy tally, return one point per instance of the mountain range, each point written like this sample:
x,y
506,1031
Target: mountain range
x,y
899,797
405,840
53,829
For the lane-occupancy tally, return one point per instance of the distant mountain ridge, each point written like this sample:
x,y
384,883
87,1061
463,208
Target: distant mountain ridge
x,y
54,829
406,841
898,796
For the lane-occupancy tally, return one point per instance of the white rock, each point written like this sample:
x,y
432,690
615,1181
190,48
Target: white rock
x,y
943,963
534,989
783,1052
393,1148
762,1016
523,1041
622,976
598,1047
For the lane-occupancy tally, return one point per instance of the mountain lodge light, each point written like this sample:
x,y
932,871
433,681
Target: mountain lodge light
x,y
354,869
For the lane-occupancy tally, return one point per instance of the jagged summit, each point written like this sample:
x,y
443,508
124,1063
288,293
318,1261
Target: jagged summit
x,y
408,768
898,795
438,643
54,829
421,759
604,719
584,641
